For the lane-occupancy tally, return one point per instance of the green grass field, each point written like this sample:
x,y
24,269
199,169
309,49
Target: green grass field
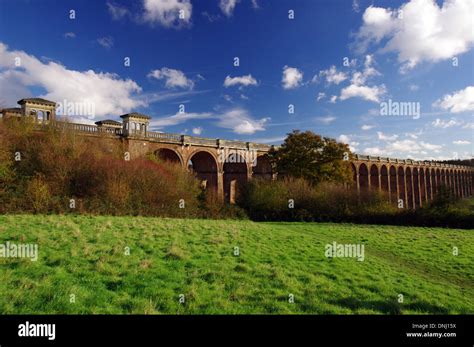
x,y
85,257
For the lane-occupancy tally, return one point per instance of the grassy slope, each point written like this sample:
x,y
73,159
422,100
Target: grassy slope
x,y
85,256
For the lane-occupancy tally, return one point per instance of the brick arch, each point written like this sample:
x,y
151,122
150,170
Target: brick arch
x,y
393,184
236,170
427,180
374,177
189,152
409,184
443,178
205,166
168,154
433,183
384,179
439,180
416,187
363,177
422,180
451,181
465,182
458,183
263,167
402,185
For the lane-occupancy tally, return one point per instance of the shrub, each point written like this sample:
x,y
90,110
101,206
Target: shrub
x,y
58,165
269,200
38,193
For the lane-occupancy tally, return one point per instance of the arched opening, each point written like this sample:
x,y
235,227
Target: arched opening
x,y
363,177
443,178
451,182
393,183
433,183
384,178
409,183
235,176
204,166
428,184
439,181
470,181
402,185
168,155
263,169
416,187
374,177
458,183
464,184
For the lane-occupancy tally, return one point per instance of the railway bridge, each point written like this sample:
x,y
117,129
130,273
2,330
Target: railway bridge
x,y
223,165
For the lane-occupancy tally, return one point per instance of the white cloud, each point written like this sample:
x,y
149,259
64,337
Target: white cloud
x,y
106,42
361,77
276,139
462,142
459,101
468,126
292,77
333,99
404,146
425,31
430,146
178,118
69,35
152,97
332,75
438,123
227,6
197,131
106,91
168,12
413,87
240,121
411,146
116,11
320,96
357,88
414,135
367,93
344,138
367,127
245,81
407,148
174,78
384,137
326,119
376,151
236,119
355,6
347,140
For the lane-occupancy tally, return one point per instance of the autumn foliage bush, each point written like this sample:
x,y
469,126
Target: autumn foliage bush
x,y
59,171
292,199
297,199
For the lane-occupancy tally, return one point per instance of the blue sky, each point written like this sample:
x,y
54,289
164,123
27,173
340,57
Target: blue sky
x,y
336,63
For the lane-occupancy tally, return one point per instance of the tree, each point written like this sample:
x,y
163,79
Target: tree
x,y
312,157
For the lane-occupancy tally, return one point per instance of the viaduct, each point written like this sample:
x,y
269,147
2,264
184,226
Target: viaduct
x,y
222,165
